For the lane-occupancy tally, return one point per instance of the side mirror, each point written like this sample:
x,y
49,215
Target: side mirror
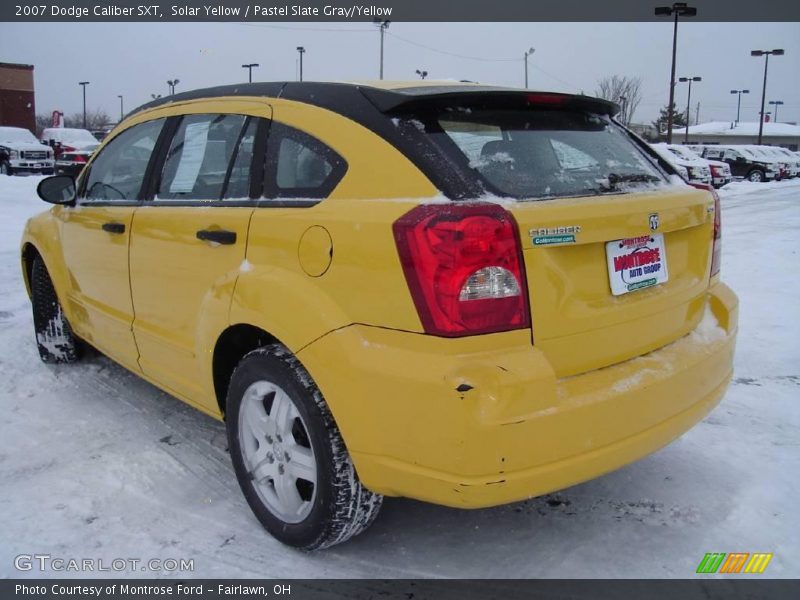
x,y
59,189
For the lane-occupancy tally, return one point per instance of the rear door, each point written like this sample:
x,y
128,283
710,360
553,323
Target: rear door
x,y
188,244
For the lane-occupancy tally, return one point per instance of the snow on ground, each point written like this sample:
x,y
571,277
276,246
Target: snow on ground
x,y
97,463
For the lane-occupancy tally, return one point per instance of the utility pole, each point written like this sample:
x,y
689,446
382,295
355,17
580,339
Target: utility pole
x,y
739,102
765,54
83,84
249,68
383,25
677,9
301,51
528,52
688,104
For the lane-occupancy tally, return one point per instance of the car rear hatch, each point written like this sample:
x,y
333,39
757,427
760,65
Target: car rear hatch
x,y
616,248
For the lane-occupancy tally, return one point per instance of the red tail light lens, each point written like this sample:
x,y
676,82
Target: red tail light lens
x,y
67,149
79,158
716,249
463,266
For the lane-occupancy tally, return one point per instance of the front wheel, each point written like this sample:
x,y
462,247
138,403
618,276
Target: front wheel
x,y
755,175
54,337
5,168
289,456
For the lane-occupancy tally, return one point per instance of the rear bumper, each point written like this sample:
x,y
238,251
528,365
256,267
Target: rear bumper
x,y
484,421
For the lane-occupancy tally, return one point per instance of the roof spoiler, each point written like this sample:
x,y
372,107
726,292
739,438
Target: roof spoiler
x,y
470,96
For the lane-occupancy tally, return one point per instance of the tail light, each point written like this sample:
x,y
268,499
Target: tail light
x,y
79,158
67,149
716,248
463,266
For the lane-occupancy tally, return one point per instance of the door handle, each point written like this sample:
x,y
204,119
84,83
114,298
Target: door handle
x,y
220,236
114,227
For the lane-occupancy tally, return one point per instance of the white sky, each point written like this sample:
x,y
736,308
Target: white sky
x,y
136,59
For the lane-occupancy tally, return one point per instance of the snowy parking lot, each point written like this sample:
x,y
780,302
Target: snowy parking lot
x,y
95,462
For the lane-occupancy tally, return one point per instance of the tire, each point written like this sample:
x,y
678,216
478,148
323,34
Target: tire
x,y
302,487
54,337
756,175
5,168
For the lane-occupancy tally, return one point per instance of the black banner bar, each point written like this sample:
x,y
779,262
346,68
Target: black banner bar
x,y
401,589
394,10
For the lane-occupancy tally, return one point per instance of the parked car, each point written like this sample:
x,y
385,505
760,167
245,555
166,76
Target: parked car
x,y
697,168
71,162
766,153
66,139
788,159
21,152
719,170
743,162
461,294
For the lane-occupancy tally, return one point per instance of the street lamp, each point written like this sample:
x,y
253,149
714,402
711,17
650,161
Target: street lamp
x,y
249,68
172,83
301,51
383,25
121,112
528,52
422,74
678,9
624,101
765,54
83,84
688,103
776,103
739,101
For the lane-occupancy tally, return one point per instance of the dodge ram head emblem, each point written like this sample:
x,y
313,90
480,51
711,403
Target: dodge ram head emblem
x,y
654,221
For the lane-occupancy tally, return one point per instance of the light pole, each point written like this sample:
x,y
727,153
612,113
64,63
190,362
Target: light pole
x,y
688,103
383,25
678,9
776,103
83,84
121,112
765,54
301,51
528,52
172,83
739,102
624,101
422,74
249,68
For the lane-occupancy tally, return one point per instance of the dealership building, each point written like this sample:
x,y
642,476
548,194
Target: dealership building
x,y
17,106
725,132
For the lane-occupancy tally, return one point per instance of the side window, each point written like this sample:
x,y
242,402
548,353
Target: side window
x,y
300,166
117,173
196,165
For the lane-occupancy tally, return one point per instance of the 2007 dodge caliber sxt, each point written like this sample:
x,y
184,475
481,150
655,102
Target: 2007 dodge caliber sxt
x,y
458,293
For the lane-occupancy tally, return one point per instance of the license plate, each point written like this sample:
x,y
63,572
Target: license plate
x,y
636,263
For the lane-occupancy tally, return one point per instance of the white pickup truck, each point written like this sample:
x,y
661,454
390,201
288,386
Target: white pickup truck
x,y
21,152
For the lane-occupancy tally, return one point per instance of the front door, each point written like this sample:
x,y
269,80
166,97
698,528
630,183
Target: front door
x,y
188,246
96,234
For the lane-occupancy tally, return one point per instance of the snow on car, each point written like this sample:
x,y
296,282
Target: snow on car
x,y
697,168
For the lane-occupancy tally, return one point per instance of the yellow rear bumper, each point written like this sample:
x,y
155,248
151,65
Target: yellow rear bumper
x,y
482,421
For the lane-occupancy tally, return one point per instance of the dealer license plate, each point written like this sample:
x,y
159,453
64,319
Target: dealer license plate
x,y
636,263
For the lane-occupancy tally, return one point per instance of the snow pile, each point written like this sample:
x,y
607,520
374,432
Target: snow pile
x,y
742,188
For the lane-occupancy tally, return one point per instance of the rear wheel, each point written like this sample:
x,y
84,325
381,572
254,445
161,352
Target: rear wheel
x,y
54,337
756,175
289,456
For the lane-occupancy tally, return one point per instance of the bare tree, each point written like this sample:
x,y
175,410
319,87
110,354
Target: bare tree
x,y
617,87
95,119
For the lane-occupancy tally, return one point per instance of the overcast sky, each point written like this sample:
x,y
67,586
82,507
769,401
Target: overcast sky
x,y
136,59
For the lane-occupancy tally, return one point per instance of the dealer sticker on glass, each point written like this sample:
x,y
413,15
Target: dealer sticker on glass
x,y
636,263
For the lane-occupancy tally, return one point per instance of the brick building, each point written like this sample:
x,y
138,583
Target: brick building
x,y
17,107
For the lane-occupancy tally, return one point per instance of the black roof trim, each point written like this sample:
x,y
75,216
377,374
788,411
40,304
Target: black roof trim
x,y
385,100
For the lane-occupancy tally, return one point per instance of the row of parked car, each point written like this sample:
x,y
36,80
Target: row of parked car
x,y
62,150
720,164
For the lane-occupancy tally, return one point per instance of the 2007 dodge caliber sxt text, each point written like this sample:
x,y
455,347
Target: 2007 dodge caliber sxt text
x,y
457,293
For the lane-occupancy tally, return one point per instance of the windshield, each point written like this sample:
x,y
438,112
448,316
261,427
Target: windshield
x,y
684,153
16,134
77,135
546,153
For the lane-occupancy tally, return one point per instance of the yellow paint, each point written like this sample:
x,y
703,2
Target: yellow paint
x,y
538,409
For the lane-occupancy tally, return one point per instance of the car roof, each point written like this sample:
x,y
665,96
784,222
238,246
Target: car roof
x,y
385,96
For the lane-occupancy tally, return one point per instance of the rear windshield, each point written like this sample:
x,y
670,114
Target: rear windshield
x,y
538,154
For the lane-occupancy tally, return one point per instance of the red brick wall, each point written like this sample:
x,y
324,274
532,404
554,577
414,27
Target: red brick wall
x,y
17,106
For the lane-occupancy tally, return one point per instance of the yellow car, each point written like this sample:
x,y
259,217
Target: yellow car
x,y
457,293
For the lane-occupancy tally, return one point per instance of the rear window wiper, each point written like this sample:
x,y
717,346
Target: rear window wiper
x,y
615,178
